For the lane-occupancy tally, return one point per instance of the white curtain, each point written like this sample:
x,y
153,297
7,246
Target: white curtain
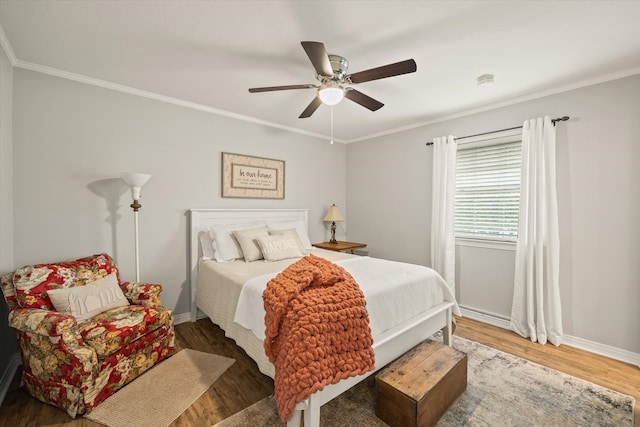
x,y
536,310
443,251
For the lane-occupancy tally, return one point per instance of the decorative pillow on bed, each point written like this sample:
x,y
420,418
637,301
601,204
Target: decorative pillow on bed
x,y
208,246
227,247
298,225
275,248
84,302
247,240
291,232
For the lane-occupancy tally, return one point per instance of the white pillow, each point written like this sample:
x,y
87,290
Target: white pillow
x,y
275,248
247,240
290,232
84,302
207,245
298,225
227,247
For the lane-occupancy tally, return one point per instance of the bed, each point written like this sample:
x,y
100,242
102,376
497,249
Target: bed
x,y
217,288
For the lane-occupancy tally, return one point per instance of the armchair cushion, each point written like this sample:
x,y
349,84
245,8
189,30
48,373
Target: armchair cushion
x,y
114,329
84,302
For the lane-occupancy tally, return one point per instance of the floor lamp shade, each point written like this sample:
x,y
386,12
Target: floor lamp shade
x,y
136,181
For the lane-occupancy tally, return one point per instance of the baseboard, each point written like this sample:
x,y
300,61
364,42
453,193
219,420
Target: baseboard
x,y
590,346
181,318
603,350
8,374
186,317
488,318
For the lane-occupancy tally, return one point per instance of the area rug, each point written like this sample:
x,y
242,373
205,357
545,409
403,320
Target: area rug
x,y
502,390
163,393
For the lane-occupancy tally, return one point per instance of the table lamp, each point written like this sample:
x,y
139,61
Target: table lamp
x,y
333,215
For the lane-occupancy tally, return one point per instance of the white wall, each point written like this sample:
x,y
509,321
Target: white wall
x,y
6,163
72,140
9,347
598,182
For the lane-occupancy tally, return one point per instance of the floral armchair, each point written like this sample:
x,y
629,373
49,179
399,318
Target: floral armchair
x,y
75,363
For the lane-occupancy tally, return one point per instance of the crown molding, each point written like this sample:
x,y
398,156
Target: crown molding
x,y
560,89
162,98
6,46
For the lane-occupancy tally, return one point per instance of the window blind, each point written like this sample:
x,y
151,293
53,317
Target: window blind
x,y
488,191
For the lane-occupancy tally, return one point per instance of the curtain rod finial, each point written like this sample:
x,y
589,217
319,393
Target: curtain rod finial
x,y
560,119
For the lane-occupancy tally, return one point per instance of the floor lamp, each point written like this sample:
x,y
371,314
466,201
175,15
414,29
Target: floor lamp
x,y
136,181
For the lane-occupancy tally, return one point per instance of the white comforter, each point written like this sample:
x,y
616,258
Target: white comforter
x,y
394,291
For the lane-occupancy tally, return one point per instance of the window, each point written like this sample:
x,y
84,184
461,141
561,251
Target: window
x,y
488,188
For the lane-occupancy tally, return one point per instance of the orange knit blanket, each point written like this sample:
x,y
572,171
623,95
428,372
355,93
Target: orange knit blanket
x,y
317,330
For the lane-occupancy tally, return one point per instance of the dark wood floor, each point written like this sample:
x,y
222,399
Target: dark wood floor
x,y
239,387
242,384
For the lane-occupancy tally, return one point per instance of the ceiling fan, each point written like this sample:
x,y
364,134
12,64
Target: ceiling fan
x,y
332,74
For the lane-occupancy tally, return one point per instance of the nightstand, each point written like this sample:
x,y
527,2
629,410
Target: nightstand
x,y
340,246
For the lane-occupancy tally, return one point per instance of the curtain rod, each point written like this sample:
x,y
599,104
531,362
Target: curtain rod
x,y
554,121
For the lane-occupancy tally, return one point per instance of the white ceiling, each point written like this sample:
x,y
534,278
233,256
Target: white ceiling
x,y
208,53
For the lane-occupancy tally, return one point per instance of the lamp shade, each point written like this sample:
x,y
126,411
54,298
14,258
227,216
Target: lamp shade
x,y
333,214
135,181
331,95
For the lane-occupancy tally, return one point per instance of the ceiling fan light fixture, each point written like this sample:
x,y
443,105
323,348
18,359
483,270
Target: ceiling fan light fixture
x,y
331,95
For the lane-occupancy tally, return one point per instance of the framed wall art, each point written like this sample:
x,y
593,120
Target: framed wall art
x,y
252,177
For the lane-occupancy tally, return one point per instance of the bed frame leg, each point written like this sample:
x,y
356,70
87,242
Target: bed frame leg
x,y
447,331
312,413
308,408
295,419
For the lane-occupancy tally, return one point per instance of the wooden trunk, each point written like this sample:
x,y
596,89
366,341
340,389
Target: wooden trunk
x,y
416,389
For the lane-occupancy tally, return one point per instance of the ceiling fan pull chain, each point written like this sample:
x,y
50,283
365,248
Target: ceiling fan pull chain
x,y
332,124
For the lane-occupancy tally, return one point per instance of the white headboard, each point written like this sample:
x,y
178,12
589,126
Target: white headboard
x,y
201,219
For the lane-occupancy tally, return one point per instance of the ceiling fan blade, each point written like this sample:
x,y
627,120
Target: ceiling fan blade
x,y
362,99
311,108
289,87
402,67
319,57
